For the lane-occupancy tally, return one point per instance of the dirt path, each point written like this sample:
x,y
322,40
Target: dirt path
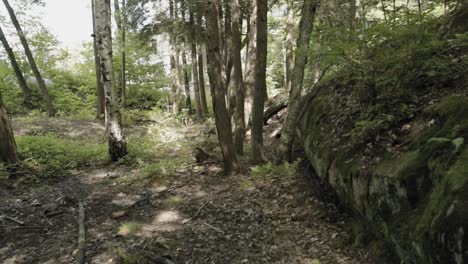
x,y
194,216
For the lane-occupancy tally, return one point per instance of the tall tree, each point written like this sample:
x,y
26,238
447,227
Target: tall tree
x,y
193,49
309,9
175,67
124,54
201,64
99,86
7,140
14,64
116,140
251,58
231,91
188,100
121,22
260,81
352,14
218,88
32,62
237,77
289,44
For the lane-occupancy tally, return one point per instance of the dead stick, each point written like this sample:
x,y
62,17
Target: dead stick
x,y
196,214
214,228
23,227
81,234
160,193
14,220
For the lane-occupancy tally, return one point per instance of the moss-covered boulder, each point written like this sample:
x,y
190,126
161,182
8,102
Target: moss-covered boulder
x,y
403,173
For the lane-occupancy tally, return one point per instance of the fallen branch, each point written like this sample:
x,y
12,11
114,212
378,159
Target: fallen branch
x,y
196,214
23,227
159,194
81,234
274,106
214,228
21,223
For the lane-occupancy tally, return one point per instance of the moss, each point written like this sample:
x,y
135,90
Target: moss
x,y
362,235
129,228
416,202
173,201
125,256
365,130
452,113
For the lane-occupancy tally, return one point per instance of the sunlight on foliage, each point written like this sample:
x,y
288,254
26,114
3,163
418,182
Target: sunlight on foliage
x,y
173,201
271,170
49,153
129,228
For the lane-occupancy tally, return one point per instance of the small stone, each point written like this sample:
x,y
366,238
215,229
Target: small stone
x,y
119,214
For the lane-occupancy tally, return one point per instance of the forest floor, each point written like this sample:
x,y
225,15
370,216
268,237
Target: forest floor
x,y
170,209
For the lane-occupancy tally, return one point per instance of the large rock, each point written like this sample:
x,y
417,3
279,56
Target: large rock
x,y
404,175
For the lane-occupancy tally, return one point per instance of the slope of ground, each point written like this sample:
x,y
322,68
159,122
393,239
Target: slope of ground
x,y
181,212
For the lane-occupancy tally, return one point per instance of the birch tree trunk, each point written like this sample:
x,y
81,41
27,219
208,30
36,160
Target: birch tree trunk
x,y
305,29
99,86
289,45
32,62
7,140
218,88
193,48
237,78
19,74
260,82
118,23
116,140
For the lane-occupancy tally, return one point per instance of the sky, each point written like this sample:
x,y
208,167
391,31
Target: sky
x,y
69,20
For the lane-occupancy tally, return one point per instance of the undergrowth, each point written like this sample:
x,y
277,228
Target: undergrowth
x,y
272,170
49,153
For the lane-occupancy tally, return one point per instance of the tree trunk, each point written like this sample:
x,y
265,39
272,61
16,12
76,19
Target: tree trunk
x,y
201,67
19,74
117,144
123,54
7,140
289,67
231,92
99,86
32,63
188,100
237,78
175,67
260,82
201,78
251,59
305,29
121,22
352,14
196,86
215,68
384,10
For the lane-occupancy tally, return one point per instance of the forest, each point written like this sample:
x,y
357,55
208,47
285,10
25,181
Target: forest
x,y
234,131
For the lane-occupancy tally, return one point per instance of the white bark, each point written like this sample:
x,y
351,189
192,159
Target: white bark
x,y
117,144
